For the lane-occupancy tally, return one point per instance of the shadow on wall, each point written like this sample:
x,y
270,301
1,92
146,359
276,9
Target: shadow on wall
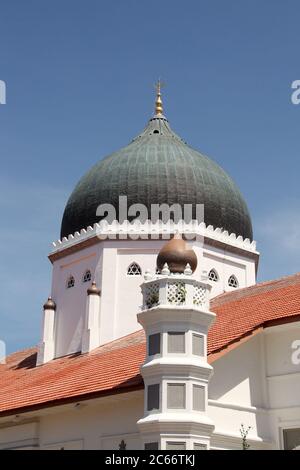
x,y
237,379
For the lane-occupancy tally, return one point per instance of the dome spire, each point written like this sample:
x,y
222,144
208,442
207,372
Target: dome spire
x,y
158,100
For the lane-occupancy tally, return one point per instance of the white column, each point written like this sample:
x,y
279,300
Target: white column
x,y
90,338
47,345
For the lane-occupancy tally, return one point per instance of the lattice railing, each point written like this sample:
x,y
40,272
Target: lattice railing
x,y
151,295
177,292
199,296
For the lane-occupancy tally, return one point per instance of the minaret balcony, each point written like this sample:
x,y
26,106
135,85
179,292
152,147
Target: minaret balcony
x,y
175,290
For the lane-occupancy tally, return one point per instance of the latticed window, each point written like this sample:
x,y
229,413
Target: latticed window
x,y
134,270
87,276
70,282
213,275
233,282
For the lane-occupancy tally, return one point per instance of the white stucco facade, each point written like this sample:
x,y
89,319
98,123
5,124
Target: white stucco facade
x,y
108,261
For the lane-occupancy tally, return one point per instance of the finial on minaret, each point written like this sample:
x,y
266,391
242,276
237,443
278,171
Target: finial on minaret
x,y
50,304
158,101
177,255
93,290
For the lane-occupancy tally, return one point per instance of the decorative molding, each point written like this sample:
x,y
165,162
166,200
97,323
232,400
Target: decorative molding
x,y
233,406
103,230
282,327
21,444
285,376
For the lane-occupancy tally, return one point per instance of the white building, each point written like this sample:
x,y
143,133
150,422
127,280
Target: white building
x,y
187,360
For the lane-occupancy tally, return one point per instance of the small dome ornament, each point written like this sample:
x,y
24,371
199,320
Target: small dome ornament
x,y
165,270
188,270
50,304
148,275
177,256
93,289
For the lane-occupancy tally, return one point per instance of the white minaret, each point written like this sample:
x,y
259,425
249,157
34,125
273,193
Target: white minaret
x,y
176,319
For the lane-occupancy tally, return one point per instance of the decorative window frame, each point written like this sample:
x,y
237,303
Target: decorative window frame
x,y
134,269
213,275
87,276
70,282
233,282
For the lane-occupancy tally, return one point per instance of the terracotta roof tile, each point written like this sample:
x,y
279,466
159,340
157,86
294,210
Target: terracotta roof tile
x,y
115,367
241,312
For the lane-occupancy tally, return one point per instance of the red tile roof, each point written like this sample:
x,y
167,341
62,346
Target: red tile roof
x,y
243,311
115,367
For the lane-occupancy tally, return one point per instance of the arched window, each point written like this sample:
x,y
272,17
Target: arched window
x,y
213,275
134,270
233,282
87,276
70,282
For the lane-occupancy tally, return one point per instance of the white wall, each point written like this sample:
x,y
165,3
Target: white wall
x,y
23,435
98,424
71,303
237,393
283,378
120,294
257,385
226,264
237,376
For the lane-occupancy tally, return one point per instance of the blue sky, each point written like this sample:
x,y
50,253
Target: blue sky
x,y
79,77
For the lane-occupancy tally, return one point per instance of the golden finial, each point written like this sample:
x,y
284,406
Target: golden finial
x,y
158,101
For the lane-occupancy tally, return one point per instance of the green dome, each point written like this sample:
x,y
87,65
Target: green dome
x,y
158,167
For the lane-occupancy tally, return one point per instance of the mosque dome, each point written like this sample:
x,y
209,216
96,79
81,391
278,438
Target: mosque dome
x,y
158,167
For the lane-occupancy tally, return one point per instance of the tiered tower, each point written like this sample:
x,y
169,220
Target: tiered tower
x,y
176,320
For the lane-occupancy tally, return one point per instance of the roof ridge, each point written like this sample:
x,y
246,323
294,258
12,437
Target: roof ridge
x,y
254,287
19,351
118,341
103,347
